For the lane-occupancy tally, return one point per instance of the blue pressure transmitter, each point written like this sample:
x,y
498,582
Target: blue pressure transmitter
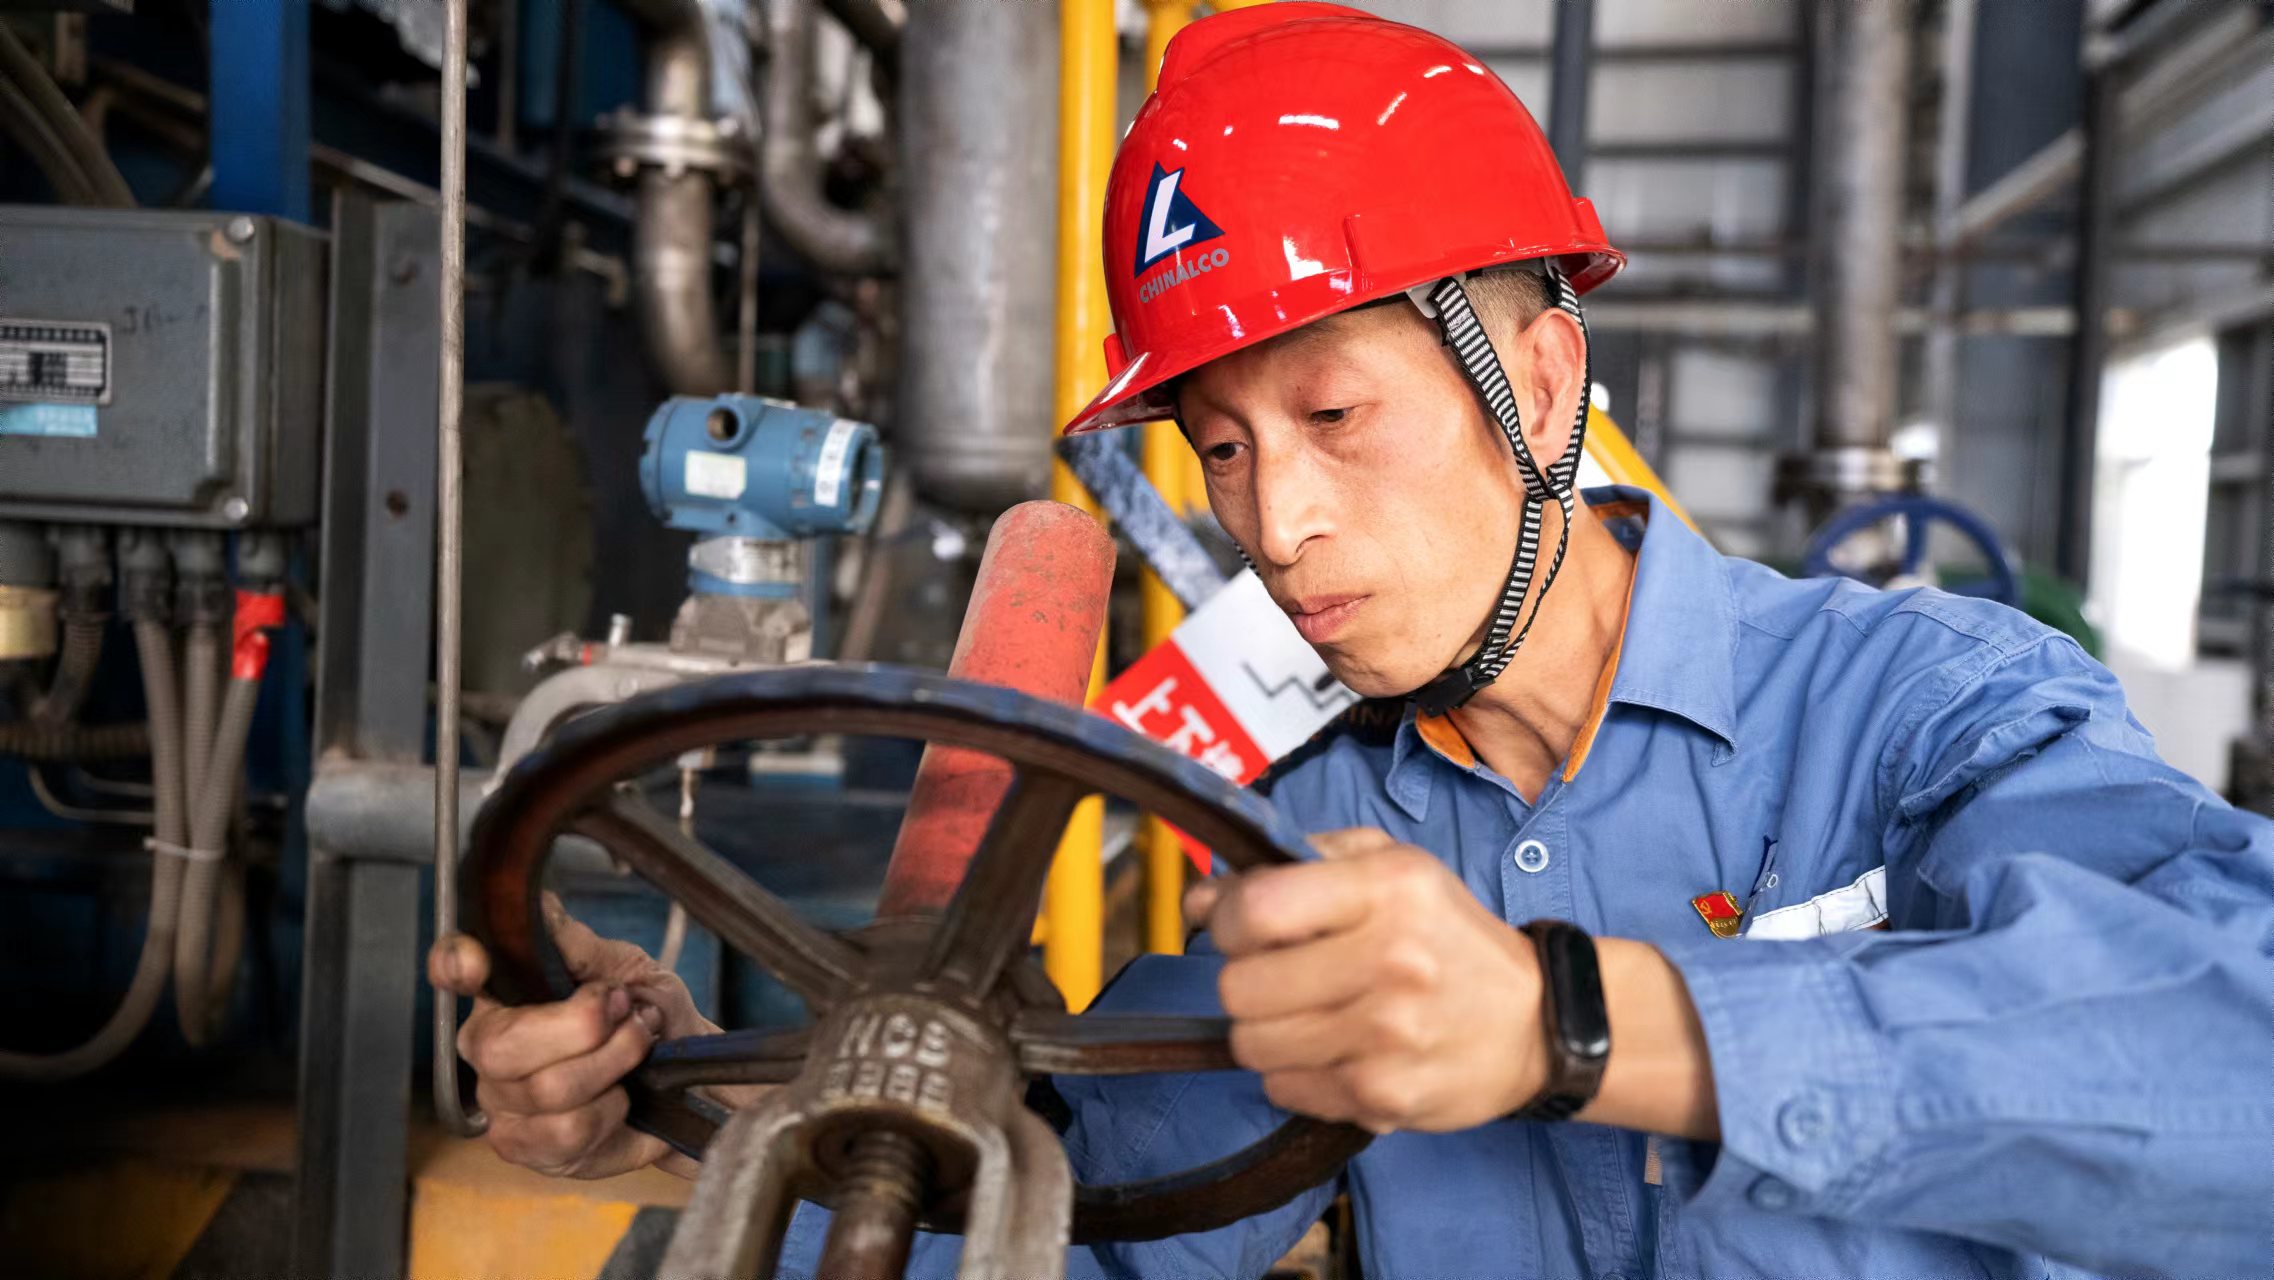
x,y
750,467
758,479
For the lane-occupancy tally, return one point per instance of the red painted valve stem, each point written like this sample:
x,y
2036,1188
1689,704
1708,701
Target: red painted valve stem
x,y
1033,626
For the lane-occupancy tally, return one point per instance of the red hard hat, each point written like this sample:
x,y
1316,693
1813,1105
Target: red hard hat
x,y
1299,159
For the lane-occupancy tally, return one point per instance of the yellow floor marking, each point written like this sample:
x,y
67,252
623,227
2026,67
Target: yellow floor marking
x,y
129,1219
475,1217
464,1233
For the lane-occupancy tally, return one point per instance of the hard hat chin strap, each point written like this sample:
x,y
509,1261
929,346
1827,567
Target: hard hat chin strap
x,y
1448,303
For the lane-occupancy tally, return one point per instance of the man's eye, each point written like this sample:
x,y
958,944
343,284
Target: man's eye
x,y
1223,452
1329,415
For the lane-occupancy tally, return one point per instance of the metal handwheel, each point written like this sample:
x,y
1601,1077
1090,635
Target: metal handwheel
x,y
902,1104
1919,514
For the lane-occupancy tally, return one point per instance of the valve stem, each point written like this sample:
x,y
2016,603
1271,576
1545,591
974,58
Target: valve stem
x,y
878,1198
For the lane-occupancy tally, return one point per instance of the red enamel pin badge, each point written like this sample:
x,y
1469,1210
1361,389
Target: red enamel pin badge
x,y
1720,911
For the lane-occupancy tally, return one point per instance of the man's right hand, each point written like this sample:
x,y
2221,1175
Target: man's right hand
x,y
550,1074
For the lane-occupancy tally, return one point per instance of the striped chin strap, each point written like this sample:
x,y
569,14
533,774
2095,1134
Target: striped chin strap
x,y
1448,303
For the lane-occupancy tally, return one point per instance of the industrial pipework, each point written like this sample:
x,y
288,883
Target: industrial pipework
x,y
841,241
1864,52
678,155
977,128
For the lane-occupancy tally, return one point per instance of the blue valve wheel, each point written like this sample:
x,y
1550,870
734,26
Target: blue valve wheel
x,y
1919,515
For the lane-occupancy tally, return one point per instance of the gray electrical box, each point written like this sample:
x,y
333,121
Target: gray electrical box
x,y
160,368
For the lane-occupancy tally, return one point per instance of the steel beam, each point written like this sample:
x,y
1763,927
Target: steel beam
x,y
259,133
362,936
2091,277
1568,80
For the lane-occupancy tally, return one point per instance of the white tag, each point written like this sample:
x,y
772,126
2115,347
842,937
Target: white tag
x,y
716,475
829,473
1267,675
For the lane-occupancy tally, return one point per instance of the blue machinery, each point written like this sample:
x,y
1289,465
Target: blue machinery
x,y
1919,514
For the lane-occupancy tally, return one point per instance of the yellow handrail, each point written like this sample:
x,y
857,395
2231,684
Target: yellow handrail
x,y
1616,455
1170,466
1073,946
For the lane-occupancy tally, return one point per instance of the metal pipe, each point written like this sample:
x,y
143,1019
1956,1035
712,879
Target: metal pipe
x,y
1864,61
671,276
678,60
450,557
55,134
671,239
975,150
837,240
870,24
1572,71
2088,347
1951,153
1088,54
746,317
1164,451
508,132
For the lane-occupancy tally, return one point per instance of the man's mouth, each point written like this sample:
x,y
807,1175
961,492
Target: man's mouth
x,y
1321,617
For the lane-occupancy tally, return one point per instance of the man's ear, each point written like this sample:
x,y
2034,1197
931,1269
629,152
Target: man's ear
x,y
1552,376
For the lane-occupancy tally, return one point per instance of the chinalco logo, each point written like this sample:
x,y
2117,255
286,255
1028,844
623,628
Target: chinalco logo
x,y
1173,222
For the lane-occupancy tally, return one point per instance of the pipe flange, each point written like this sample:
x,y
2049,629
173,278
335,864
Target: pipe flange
x,y
628,142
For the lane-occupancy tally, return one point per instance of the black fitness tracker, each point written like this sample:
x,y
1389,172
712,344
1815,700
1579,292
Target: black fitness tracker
x,y
1578,1025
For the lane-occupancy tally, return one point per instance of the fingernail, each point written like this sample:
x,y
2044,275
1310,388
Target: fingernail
x,y
619,1004
651,1018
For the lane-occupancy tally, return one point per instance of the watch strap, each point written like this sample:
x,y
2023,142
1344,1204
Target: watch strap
x,y
1578,1040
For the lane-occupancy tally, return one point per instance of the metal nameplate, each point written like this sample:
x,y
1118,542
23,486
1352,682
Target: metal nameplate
x,y
55,362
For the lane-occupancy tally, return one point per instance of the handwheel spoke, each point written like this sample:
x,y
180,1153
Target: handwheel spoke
x,y
992,915
733,1057
751,920
1056,1043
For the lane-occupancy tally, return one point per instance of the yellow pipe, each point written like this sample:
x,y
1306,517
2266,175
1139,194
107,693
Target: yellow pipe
x,y
1166,460
1164,454
1073,949
1619,459
1163,19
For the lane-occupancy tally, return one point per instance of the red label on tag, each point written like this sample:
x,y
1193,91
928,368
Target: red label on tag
x,y
1163,697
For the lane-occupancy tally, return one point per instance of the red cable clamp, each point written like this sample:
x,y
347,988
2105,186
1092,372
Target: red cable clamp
x,y
258,613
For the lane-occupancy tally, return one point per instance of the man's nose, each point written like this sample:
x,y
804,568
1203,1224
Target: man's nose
x,y
1289,506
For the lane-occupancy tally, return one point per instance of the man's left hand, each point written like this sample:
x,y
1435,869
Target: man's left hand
x,y
1373,987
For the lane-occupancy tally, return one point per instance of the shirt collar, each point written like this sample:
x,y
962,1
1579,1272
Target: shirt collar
x,y
1677,653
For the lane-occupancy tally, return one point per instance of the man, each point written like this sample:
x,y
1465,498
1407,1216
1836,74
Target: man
x,y
1915,960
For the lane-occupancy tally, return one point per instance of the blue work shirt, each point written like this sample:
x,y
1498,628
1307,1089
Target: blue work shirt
x,y
2003,1004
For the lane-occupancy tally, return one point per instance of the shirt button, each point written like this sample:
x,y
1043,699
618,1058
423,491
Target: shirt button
x,y
1802,1122
1773,1194
1532,857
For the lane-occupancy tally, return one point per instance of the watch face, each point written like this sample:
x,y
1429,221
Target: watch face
x,y
1582,1023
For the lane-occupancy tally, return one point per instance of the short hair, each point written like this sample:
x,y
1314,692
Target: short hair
x,y
1507,298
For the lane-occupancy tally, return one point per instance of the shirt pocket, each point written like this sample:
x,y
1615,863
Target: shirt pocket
x,y
1861,903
